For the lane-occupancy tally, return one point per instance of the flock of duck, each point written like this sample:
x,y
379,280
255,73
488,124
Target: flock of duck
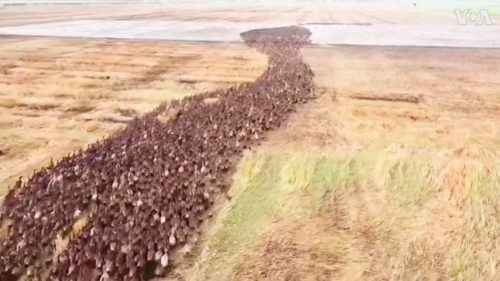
x,y
126,203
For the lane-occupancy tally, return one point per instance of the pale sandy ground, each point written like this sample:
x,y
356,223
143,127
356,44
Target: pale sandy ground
x,y
59,95
479,36
351,24
333,13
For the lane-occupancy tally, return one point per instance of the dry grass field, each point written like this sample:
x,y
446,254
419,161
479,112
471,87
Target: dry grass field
x,y
392,173
58,95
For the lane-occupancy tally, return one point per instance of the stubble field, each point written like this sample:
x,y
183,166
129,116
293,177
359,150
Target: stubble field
x,y
58,95
391,173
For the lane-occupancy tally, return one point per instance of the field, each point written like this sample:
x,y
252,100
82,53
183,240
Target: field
x,y
390,173
59,95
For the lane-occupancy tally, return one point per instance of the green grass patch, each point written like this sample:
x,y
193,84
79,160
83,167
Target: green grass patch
x,y
476,256
274,183
257,194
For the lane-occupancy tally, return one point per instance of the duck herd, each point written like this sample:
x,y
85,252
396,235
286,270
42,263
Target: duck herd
x,y
122,206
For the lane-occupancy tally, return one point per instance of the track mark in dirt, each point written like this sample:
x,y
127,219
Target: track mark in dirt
x,y
391,98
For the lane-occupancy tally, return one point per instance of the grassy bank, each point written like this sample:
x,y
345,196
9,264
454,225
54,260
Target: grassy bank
x,y
353,216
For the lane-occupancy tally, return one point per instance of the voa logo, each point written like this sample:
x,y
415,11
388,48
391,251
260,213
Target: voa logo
x,y
467,16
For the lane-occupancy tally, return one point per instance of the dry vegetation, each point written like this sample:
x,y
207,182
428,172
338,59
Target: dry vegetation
x,y
58,95
391,174
370,189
